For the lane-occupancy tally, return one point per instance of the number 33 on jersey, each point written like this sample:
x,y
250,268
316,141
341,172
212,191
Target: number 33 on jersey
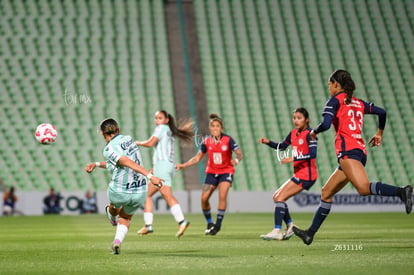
x,y
349,131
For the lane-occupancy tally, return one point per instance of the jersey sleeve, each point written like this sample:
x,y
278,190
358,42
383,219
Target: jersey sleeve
x,y
283,144
313,146
371,109
110,166
329,112
233,145
331,107
158,131
112,154
203,147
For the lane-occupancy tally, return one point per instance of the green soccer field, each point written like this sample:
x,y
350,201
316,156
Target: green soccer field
x,y
374,243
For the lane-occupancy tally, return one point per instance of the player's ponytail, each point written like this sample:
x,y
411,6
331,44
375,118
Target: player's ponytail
x,y
184,130
109,127
215,117
347,83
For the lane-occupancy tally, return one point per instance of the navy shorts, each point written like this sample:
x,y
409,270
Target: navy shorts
x,y
356,154
215,179
305,184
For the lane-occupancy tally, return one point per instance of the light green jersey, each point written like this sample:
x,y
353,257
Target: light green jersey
x,y
124,179
164,150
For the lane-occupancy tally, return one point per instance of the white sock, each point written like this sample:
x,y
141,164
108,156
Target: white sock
x,y
121,231
177,212
148,217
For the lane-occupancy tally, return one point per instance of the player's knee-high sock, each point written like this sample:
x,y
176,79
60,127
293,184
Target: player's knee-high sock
x,y
177,213
379,188
320,215
207,215
148,218
220,217
287,217
121,231
279,214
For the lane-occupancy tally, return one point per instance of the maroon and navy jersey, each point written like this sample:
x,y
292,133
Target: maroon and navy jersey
x,y
219,154
347,121
303,151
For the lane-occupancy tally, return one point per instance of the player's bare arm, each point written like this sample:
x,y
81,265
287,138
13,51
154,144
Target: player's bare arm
x,y
91,166
148,143
125,161
194,160
239,157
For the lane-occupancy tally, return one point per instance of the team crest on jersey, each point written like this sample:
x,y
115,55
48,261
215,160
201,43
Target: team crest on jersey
x,y
224,147
300,141
217,158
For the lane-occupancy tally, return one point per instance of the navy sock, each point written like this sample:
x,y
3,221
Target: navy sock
x,y
220,217
279,214
287,217
207,215
320,215
381,189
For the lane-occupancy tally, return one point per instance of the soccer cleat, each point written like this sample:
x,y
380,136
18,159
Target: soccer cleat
x,y
289,232
406,197
275,234
116,247
113,220
303,234
147,229
182,227
209,228
214,230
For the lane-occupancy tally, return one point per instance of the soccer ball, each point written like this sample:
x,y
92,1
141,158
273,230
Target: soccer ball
x,y
46,133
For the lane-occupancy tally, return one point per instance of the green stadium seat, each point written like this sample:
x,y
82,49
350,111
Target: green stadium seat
x,y
50,47
285,53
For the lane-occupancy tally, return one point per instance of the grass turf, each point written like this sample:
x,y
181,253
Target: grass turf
x,y
357,243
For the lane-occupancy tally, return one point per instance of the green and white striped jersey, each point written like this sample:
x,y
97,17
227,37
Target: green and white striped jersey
x,y
124,179
164,150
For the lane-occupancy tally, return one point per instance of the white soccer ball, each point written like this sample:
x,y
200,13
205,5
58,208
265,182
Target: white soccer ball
x,y
46,133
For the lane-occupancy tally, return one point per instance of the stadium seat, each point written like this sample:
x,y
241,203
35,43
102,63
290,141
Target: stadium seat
x,y
260,60
278,56
53,48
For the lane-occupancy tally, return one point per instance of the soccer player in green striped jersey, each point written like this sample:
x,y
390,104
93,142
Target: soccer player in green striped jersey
x,y
163,139
127,189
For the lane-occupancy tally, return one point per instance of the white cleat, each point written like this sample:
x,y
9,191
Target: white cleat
x,y
182,227
289,232
275,234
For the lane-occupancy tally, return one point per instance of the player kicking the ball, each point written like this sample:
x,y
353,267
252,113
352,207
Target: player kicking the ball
x,y
127,189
